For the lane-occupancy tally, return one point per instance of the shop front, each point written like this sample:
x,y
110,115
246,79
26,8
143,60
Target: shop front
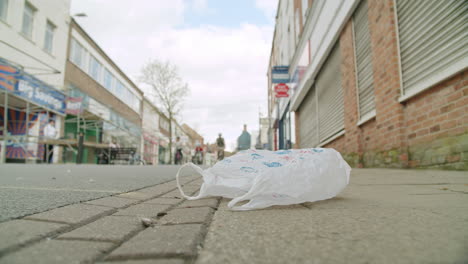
x,y
27,104
100,126
151,149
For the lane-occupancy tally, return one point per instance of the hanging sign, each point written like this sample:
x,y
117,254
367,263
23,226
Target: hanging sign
x,y
74,105
280,74
281,90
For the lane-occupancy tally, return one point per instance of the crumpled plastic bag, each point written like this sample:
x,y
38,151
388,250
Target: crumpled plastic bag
x,y
268,178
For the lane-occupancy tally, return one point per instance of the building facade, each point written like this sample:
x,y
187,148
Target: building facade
x,y
111,104
382,81
33,47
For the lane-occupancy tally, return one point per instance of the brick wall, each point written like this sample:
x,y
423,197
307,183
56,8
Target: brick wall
x,y
437,125
429,130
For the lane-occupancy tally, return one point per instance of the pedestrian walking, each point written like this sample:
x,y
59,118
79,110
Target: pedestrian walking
x,y
50,132
178,152
221,145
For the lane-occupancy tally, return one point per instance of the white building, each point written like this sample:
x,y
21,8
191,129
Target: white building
x,y
33,45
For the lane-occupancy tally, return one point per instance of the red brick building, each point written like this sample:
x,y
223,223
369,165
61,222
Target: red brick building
x,y
382,81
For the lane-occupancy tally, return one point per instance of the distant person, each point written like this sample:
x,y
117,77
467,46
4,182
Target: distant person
x,y
178,148
198,157
243,141
113,149
221,146
49,133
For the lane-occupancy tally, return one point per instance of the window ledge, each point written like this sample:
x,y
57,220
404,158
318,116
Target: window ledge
x,y
27,38
49,53
339,134
5,23
367,117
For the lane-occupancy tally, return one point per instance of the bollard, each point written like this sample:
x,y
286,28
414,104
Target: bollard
x,y
79,156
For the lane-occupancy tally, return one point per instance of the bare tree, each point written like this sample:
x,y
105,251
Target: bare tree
x,y
167,88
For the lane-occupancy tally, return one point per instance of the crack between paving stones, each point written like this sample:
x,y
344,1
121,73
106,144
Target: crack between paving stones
x,y
105,254
71,226
189,258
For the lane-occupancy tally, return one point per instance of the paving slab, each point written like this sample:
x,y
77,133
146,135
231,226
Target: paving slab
x,y
176,194
72,214
58,251
159,189
143,210
146,261
17,232
205,202
110,228
163,200
381,217
161,240
137,195
115,202
187,215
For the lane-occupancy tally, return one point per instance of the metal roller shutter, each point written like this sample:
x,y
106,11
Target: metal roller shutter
x,y
308,121
364,73
330,96
433,40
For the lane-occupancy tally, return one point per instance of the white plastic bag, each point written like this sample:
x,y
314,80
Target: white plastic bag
x,y
269,178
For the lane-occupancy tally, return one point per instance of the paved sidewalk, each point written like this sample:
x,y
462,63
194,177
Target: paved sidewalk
x,y
383,216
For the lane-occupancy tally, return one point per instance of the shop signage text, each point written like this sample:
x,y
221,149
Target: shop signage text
x,y
280,74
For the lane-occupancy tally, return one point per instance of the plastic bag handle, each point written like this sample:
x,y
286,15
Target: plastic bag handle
x,y
197,169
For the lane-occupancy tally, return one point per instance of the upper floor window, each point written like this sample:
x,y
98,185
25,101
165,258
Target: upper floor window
x,y
28,20
76,53
94,68
3,9
49,37
305,7
108,80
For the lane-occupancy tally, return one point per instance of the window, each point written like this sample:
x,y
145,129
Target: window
x,y
49,37
433,42
94,68
28,20
297,26
3,9
119,89
108,80
305,7
363,58
76,53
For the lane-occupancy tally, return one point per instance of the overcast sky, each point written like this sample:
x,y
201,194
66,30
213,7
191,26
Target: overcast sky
x,y
221,47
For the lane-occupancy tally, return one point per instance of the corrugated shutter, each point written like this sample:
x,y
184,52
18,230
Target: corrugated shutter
x,y
308,121
365,80
433,39
330,96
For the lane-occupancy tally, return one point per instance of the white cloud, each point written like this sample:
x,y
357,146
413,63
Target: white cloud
x,y
224,67
268,7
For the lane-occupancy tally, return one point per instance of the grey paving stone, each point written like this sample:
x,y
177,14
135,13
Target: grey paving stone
x,y
112,228
162,200
190,188
143,210
159,189
187,215
206,202
17,232
58,251
116,202
161,240
176,194
146,261
136,195
73,214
